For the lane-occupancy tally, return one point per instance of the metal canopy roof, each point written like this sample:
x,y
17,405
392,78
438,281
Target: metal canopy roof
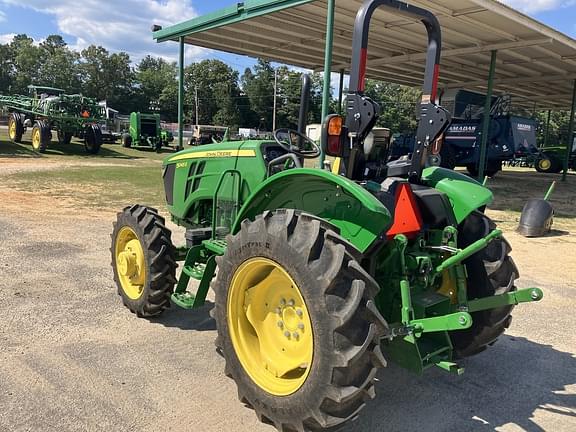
x,y
535,63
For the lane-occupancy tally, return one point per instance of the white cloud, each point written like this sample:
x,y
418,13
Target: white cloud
x,y
535,6
2,16
117,25
6,38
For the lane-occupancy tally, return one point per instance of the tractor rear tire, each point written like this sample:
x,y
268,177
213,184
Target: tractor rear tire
x,y
92,139
16,127
491,271
146,277
41,136
126,140
337,297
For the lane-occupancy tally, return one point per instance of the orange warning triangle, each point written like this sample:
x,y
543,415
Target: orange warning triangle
x,y
407,218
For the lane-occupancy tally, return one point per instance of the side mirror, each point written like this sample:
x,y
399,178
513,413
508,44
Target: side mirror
x,y
333,137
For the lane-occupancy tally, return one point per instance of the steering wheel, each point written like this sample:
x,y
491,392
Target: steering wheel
x,y
297,143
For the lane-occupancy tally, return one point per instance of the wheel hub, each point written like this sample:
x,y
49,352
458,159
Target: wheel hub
x,y
545,164
130,262
127,264
12,130
270,326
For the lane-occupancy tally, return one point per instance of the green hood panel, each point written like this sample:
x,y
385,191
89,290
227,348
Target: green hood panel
x,y
360,217
465,193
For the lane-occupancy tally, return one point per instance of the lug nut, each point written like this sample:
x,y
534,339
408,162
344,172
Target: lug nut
x,y
287,334
280,324
301,326
291,302
282,302
295,335
278,311
299,313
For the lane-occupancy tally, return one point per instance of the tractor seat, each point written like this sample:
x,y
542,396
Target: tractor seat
x,y
398,168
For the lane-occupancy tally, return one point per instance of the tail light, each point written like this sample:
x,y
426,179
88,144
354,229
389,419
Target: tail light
x,y
333,135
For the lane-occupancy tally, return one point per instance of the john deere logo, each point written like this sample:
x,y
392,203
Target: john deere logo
x,y
214,154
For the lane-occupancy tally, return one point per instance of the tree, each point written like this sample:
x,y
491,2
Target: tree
x,y
59,67
158,86
26,60
289,97
6,68
108,77
218,93
259,87
398,105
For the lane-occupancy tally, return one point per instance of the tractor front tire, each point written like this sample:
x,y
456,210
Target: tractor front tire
x,y
297,324
41,136
491,271
143,260
16,127
547,163
126,140
92,139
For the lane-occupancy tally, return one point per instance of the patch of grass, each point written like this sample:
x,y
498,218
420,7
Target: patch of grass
x,y
75,150
103,187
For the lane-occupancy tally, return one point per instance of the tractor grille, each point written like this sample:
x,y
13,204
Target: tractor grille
x,y
168,175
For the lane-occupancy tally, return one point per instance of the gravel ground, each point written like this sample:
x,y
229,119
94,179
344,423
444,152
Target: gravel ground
x,y
72,358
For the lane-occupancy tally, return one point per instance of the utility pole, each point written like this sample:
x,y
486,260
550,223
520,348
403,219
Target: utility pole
x,y
275,93
196,103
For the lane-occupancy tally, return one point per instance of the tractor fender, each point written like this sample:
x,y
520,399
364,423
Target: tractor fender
x,y
360,217
465,193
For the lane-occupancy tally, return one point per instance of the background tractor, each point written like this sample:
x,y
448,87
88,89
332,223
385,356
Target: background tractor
x,y
144,131
551,158
320,277
47,109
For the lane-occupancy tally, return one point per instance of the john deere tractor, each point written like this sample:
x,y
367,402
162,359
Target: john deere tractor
x,y
320,278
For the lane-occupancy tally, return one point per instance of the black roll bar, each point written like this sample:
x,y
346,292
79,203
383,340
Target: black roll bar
x,y
360,44
363,112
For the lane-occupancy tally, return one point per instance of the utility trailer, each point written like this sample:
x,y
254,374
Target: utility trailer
x,y
48,109
511,137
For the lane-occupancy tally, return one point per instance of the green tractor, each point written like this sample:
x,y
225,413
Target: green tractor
x,y
47,109
551,158
144,131
320,278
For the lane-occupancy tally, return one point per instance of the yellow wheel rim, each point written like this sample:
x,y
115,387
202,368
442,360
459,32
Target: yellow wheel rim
x,y
270,326
36,138
130,263
545,164
12,129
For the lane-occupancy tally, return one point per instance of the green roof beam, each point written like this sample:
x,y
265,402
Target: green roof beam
x,y
227,16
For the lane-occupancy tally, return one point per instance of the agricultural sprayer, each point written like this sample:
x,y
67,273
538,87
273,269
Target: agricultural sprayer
x,y
47,109
320,278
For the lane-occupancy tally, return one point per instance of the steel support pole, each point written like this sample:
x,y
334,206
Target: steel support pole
x,y
330,7
547,131
340,91
570,140
181,95
486,120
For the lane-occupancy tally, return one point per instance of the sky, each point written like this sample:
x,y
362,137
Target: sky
x,y
125,25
